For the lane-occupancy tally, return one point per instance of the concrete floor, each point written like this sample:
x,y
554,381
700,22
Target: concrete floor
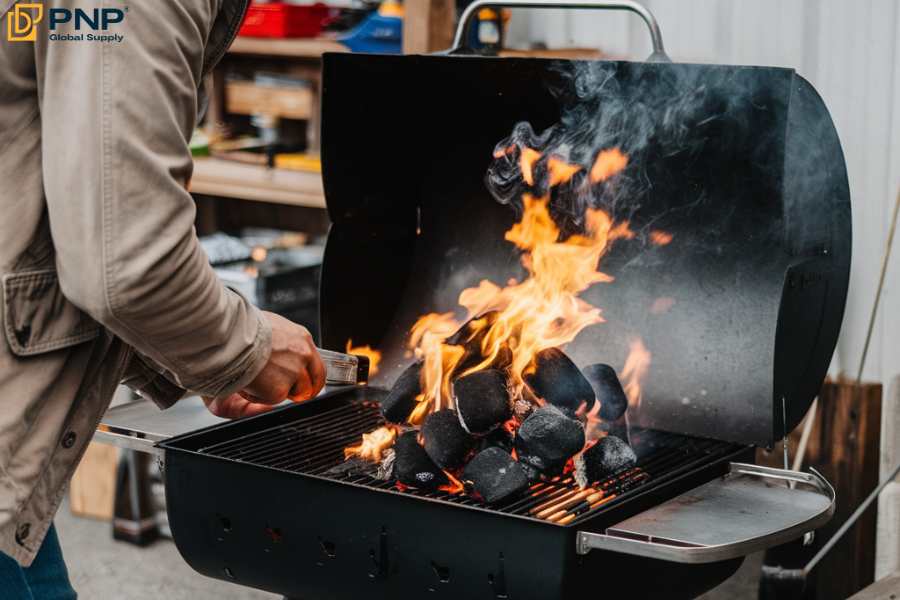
x,y
104,569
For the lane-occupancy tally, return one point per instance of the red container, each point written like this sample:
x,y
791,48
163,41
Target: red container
x,y
278,20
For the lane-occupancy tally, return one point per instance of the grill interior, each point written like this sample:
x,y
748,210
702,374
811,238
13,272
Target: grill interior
x,y
314,445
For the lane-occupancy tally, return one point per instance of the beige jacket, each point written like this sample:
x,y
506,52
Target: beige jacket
x,y
102,275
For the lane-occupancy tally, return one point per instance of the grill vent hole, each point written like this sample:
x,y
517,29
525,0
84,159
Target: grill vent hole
x,y
443,573
328,548
274,534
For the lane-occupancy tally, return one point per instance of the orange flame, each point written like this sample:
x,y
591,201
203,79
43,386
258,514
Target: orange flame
x,y
527,158
454,487
636,366
543,311
608,163
427,341
504,151
560,171
373,445
373,355
660,238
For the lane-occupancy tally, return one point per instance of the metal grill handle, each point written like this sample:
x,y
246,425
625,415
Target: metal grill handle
x,y
659,51
344,369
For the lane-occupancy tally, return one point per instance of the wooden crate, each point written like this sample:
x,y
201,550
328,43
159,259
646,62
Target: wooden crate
x,y
93,488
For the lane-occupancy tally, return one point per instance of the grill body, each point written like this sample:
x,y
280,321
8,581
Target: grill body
x,y
249,502
752,185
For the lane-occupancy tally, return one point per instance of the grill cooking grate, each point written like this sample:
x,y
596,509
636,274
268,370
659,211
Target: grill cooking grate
x,y
314,445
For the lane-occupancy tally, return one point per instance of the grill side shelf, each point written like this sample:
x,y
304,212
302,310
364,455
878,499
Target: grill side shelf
x,y
749,509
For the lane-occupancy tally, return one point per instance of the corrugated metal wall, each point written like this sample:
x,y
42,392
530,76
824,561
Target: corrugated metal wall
x,y
849,50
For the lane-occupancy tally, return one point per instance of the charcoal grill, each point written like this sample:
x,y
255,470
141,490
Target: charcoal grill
x,y
751,183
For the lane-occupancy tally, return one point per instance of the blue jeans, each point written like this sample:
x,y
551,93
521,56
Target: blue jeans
x,y
46,578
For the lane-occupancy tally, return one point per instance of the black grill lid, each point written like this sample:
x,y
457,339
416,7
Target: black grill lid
x,y
741,164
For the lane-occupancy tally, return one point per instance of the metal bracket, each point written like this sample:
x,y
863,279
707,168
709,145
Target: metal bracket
x,y
749,509
128,442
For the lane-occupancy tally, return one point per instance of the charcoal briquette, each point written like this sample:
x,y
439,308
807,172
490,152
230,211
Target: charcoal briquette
x,y
495,475
401,400
548,438
445,441
608,390
607,457
557,380
413,466
482,401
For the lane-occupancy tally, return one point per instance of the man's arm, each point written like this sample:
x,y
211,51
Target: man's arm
x,y
117,118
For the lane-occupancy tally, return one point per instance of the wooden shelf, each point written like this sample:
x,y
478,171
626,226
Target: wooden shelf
x,y
291,47
218,177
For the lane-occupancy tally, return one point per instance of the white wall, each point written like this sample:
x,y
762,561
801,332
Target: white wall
x,y
849,50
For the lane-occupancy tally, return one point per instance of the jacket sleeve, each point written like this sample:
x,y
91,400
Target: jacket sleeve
x,y
116,120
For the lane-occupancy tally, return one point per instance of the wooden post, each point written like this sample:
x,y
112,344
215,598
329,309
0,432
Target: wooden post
x,y
843,446
428,25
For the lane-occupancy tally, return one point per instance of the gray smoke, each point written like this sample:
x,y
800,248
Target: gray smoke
x,y
649,112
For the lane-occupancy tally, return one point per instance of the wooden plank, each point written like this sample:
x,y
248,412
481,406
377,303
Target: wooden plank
x,y
217,177
428,25
289,47
885,589
92,491
565,53
844,447
887,557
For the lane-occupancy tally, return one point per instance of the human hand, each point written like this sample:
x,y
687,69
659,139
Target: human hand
x,y
294,370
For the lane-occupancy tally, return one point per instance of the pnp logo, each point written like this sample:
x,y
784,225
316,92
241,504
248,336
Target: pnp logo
x,y
97,19
22,20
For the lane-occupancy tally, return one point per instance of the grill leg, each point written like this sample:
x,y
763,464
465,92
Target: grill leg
x,y
134,519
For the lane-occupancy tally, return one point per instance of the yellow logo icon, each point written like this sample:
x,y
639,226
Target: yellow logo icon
x,y
22,20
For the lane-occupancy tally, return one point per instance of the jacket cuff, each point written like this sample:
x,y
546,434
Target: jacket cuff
x,y
150,381
245,368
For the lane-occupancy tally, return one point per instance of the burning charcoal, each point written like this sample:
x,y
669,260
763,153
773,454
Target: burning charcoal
x,y
547,439
495,475
608,390
531,473
523,408
412,465
446,442
401,400
557,380
607,457
385,469
482,400
498,438
473,330
470,336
